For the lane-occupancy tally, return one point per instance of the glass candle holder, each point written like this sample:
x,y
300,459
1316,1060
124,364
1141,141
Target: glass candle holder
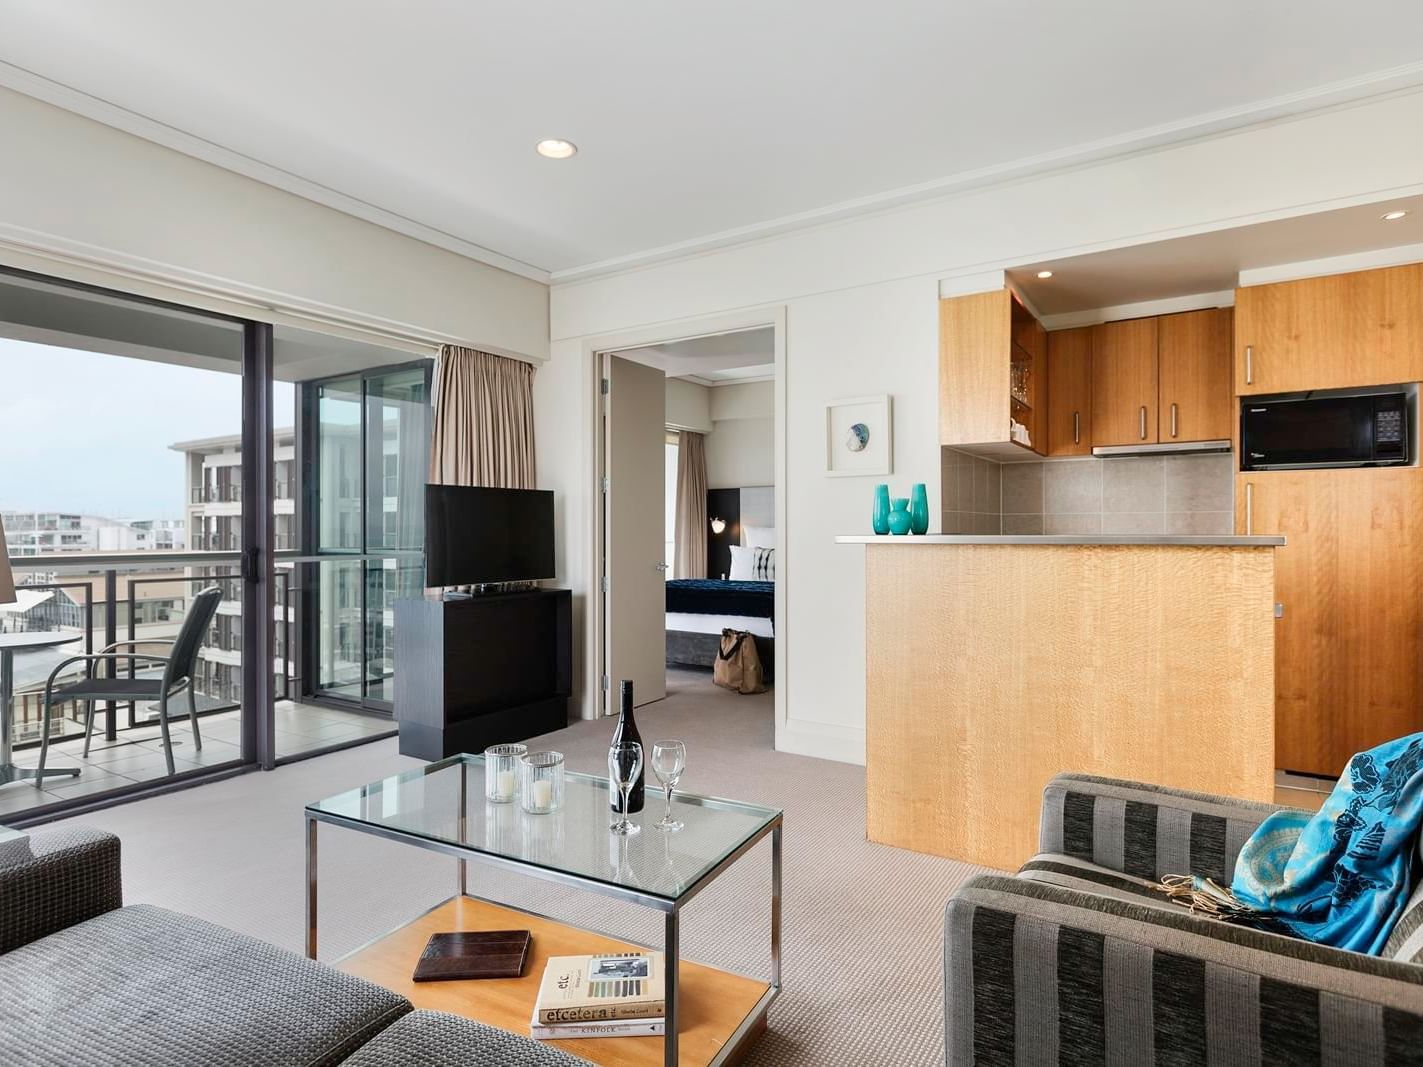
x,y
501,772
541,782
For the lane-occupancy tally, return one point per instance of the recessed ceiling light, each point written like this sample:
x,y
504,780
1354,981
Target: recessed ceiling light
x,y
1393,216
554,148
1044,274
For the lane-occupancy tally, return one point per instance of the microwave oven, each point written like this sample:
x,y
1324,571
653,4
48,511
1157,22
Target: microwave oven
x,y
1365,430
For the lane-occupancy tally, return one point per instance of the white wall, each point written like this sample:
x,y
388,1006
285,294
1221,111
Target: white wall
x,y
688,406
741,448
85,201
860,304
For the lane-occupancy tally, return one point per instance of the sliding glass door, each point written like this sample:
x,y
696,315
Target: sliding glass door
x,y
369,463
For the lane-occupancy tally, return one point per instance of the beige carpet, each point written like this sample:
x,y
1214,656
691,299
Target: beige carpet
x,y
862,922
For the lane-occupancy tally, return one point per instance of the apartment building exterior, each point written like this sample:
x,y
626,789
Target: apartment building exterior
x,y
212,494
45,533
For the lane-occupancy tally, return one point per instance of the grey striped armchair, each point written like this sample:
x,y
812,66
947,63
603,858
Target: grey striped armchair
x,y
1077,960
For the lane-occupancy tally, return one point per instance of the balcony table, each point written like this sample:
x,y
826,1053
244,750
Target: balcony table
x,y
9,643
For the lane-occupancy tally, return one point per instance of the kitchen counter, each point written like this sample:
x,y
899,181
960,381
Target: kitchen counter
x,y
994,663
1060,539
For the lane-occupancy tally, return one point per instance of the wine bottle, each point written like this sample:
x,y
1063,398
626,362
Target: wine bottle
x,y
625,731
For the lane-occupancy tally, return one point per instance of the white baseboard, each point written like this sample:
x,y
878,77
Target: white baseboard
x,y
840,743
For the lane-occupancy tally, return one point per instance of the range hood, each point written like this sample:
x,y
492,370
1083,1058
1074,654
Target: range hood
x,y
1165,448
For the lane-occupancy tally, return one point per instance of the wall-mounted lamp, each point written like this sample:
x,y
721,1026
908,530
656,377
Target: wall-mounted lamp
x,y
718,526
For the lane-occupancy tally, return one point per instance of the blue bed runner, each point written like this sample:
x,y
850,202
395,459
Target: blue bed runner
x,y
710,596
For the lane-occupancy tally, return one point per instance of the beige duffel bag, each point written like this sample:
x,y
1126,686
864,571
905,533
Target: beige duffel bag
x,y
738,664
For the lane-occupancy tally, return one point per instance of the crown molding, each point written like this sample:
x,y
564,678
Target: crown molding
x,y
1343,93
1346,93
92,107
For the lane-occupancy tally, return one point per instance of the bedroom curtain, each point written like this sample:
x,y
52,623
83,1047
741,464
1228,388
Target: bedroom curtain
x,y
691,526
484,420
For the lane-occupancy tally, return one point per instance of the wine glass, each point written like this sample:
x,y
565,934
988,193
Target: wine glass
x,y
624,765
669,760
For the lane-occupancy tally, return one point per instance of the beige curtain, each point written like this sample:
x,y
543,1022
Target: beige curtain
x,y
691,523
484,420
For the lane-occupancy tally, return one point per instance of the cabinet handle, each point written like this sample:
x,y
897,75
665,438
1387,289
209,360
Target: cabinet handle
x,y
1249,508
1249,364
1142,418
1077,427
1173,420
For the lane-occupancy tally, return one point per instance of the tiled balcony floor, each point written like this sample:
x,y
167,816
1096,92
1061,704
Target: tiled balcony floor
x,y
137,755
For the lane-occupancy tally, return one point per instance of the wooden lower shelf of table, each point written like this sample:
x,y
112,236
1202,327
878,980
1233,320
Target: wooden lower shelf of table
x,y
713,1004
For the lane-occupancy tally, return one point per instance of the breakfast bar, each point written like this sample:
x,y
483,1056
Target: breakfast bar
x,y
996,662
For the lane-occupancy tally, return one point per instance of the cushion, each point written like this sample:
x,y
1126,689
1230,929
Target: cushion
x,y
758,536
146,986
1086,877
1406,940
435,1039
752,564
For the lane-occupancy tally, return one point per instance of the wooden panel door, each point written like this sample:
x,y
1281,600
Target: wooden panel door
x,y
1124,382
1069,405
635,605
1339,331
974,344
1196,399
1349,582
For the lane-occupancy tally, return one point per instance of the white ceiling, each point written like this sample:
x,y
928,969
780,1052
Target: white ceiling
x,y
698,124
717,359
1212,262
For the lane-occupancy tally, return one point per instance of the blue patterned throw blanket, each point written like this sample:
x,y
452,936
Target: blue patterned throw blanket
x,y
1342,876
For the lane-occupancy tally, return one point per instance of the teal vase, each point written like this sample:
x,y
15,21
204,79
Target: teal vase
x,y
919,509
879,519
899,520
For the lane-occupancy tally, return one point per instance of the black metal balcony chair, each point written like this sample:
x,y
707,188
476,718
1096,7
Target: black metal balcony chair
x,y
178,674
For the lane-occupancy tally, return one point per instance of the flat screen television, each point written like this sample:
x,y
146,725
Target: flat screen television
x,y
481,536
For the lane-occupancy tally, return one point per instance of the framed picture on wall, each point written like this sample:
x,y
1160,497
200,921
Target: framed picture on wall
x,y
859,436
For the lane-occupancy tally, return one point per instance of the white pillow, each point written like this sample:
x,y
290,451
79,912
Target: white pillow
x,y
752,564
758,536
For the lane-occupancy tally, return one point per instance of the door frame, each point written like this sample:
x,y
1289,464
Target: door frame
x,y
596,701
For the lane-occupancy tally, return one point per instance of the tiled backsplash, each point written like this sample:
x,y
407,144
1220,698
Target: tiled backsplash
x,y
971,491
1139,495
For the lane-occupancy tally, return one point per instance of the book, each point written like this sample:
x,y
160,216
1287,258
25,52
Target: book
x,y
602,988
609,1028
473,954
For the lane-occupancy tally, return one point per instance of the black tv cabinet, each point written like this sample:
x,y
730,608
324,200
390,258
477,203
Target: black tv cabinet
x,y
489,670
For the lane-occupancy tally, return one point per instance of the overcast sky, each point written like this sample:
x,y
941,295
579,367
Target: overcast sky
x,y
89,433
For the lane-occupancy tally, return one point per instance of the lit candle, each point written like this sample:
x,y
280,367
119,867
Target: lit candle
x,y
543,794
504,785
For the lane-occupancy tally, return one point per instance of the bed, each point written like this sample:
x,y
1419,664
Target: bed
x,y
698,609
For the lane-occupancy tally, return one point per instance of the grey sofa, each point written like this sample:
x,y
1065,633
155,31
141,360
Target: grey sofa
x,y
86,982
1078,960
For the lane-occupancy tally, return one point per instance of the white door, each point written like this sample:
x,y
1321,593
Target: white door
x,y
634,510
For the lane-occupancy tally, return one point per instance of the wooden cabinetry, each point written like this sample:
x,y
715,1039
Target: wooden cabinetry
x,y
1340,331
1194,372
1124,382
1349,582
1163,380
992,373
1069,408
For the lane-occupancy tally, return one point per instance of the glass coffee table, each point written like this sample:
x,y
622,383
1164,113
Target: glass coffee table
x,y
712,1016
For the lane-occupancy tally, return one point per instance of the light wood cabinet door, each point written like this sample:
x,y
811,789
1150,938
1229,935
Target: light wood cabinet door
x,y
1124,382
974,339
1349,582
1069,373
1339,331
1196,400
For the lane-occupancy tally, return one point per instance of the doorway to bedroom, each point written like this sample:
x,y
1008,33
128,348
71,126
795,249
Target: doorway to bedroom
x,y
697,418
